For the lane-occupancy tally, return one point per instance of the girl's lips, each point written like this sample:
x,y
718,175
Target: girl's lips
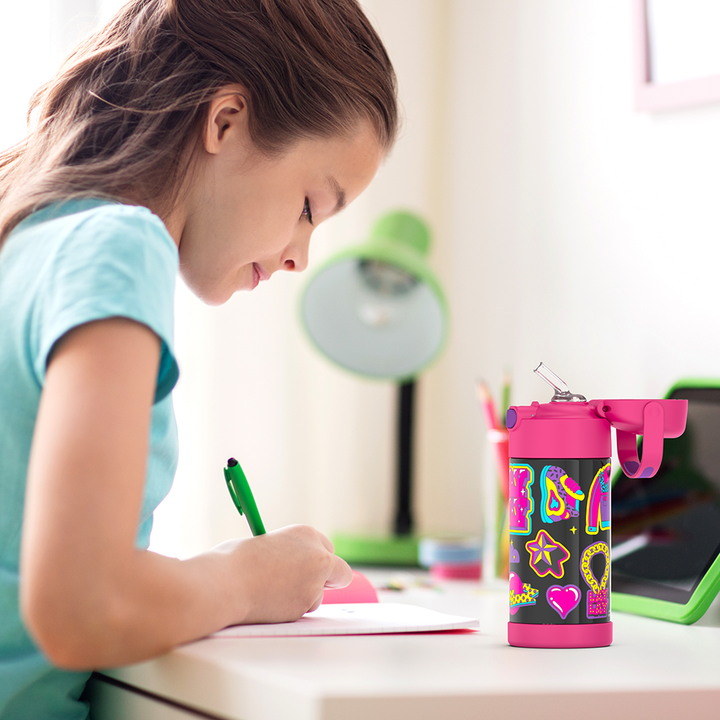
x,y
258,275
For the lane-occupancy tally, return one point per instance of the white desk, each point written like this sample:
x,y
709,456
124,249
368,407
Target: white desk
x,y
654,670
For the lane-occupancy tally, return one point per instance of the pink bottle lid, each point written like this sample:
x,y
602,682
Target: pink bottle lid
x,y
552,430
582,430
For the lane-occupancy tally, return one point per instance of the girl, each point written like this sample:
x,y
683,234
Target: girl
x,y
209,135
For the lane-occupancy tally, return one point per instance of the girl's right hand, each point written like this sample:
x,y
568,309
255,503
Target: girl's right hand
x,y
280,576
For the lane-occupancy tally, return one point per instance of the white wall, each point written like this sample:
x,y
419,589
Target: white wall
x,y
578,231
617,205
32,42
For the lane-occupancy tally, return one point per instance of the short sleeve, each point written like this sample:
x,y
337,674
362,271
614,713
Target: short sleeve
x,y
115,261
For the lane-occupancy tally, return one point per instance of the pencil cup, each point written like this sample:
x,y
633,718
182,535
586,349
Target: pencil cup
x,y
496,534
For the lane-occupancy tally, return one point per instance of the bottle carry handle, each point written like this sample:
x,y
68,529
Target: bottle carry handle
x,y
627,445
653,419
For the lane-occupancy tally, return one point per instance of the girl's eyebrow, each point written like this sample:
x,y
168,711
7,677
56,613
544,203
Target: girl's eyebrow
x,y
339,193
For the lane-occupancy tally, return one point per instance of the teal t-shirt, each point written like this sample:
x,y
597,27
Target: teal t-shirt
x,y
63,266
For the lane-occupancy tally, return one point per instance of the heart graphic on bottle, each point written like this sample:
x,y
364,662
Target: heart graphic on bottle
x,y
563,599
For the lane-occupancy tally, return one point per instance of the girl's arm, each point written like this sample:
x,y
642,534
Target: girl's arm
x,y
88,596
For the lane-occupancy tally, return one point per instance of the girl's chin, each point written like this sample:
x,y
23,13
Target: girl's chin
x,y
220,293
215,296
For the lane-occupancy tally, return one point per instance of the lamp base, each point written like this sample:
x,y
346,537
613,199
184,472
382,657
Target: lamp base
x,y
395,550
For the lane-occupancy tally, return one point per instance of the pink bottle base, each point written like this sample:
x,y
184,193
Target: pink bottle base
x,y
560,636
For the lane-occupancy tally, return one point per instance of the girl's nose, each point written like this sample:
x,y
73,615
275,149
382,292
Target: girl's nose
x,y
296,255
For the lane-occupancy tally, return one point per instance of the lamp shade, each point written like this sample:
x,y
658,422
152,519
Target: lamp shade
x,y
377,309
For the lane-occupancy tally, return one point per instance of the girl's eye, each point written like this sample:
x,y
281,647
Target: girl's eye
x,y
306,212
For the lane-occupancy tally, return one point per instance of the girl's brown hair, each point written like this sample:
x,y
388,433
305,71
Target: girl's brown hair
x,y
123,114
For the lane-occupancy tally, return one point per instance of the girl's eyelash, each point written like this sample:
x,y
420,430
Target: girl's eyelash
x,y
306,211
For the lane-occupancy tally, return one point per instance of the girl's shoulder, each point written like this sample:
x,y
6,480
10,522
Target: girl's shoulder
x,y
93,220
81,261
89,232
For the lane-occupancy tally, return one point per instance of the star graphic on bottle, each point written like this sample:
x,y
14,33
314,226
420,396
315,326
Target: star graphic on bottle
x,y
547,555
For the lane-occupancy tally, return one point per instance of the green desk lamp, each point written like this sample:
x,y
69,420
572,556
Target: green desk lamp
x,y
377,310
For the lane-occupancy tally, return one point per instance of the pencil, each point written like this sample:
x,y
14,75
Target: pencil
x,y
486,402
496,435
505,395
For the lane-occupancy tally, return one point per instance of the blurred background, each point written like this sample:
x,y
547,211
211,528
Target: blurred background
x,y
568,227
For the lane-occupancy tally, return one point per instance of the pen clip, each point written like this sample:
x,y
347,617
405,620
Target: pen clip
x,y
233,492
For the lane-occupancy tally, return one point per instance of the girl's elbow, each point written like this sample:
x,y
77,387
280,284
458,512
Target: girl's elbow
x,y
72,637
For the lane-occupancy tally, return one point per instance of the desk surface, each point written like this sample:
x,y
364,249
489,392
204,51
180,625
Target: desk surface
x,y
654,669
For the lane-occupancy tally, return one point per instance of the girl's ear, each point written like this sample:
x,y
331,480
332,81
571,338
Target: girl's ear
x,y
227,117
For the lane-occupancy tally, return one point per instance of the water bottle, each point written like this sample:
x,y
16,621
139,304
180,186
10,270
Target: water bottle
x,y
559,508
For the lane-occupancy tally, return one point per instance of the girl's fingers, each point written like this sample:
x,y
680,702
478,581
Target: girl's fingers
x,y
326,542
340,574
316,604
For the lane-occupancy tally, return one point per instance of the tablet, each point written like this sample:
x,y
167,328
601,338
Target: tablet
x,y
666,529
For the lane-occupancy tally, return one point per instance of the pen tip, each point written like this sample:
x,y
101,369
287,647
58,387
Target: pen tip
x,y
232,462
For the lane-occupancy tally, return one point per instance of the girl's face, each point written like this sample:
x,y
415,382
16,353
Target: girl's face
x,y
246,216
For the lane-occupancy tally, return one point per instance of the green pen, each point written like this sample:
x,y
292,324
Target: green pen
x,y
242,496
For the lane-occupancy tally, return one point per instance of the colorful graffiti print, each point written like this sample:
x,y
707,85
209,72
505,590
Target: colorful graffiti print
x,y
521,594
547,555
561,495
520,504
597,515
597,596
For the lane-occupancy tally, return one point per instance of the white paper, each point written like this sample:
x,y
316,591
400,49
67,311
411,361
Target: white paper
x,y
356,619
